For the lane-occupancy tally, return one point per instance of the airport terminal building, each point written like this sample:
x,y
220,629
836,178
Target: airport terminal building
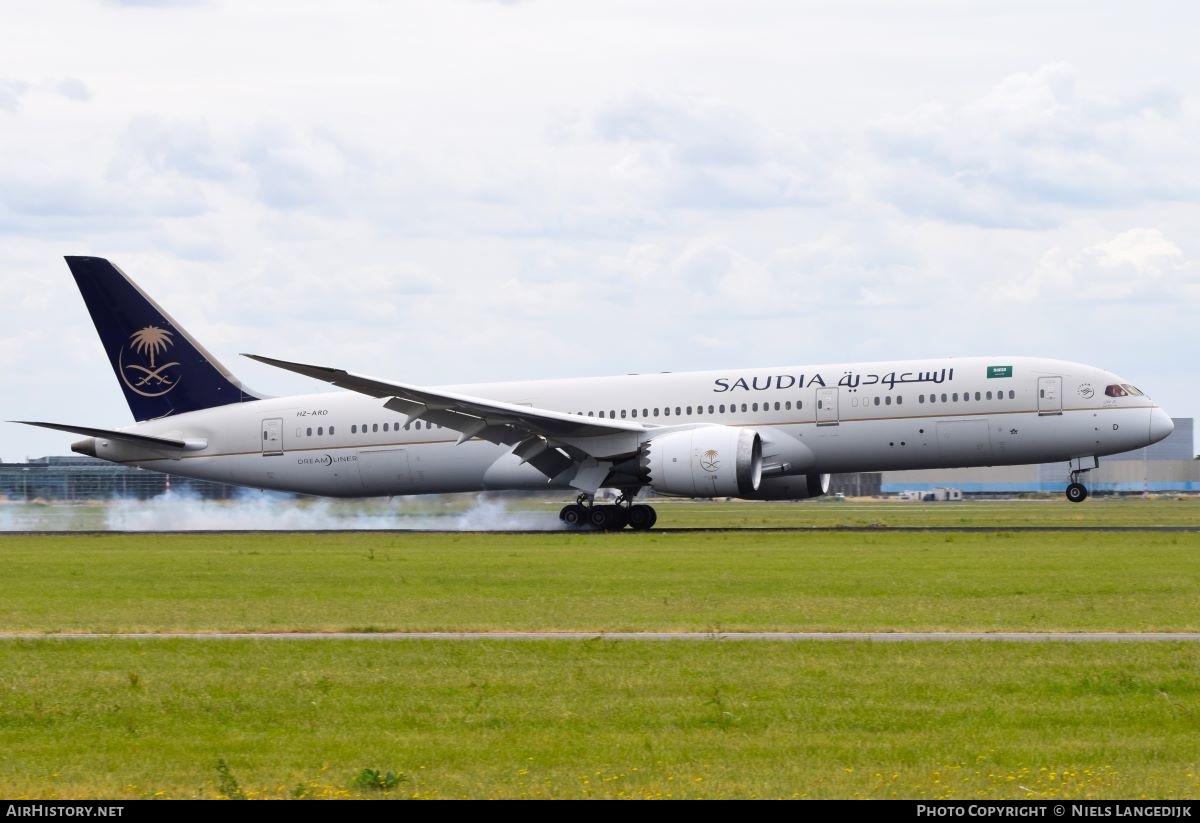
x,y
88,478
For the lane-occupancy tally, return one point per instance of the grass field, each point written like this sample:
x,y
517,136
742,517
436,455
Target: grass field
x,y
991,581
598,719
603,718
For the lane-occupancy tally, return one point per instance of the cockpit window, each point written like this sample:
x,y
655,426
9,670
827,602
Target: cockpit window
x,y
1115,391
1133,391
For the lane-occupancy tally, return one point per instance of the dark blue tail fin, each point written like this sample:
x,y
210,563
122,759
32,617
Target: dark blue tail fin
x,y
161,369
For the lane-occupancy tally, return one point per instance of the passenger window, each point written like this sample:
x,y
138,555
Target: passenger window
x,y
876,401
887,400
755,407
666,411
710,409
989,395
943,397
645,412
977,396
354,429
612,413
634,413
1012,395
678,410
956,397
799,404
309,432
374,427
899,399
622,414
787,406
743,407
331,429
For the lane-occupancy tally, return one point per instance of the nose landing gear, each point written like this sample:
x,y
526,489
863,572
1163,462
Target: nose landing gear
x,y
1076,491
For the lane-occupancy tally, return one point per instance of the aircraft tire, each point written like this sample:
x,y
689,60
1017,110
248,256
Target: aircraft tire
x,y
642,517
1077,492
574,515
620,518
606,518
597,517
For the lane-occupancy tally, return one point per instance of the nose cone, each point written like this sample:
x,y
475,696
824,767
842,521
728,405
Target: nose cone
x,y
1161,425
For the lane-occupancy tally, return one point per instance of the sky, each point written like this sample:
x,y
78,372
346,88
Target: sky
x,y
458,191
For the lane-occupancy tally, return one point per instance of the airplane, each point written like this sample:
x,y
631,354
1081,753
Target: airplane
x,y
756,433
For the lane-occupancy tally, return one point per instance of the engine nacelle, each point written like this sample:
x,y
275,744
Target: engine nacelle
x,y
710,461
791,487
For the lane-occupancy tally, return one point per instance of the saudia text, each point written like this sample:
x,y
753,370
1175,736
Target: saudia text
x,y
849,380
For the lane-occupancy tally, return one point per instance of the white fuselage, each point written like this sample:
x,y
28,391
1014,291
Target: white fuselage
x,y
814,419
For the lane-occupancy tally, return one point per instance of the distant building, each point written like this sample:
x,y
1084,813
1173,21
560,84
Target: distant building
x,y
857,484
87,478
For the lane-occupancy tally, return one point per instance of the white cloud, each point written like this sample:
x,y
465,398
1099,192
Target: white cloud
x,y
694,153
11,92
1034,147
1137,266
74,89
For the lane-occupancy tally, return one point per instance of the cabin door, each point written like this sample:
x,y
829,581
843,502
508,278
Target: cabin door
x,y
1049,395
272,436
827,407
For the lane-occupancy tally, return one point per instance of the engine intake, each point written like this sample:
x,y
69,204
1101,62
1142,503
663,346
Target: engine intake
x,y
710,461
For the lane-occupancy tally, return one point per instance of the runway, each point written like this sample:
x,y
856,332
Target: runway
x,y
739,529
869,637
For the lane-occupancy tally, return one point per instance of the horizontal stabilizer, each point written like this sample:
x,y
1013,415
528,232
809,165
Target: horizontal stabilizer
x,y
109,434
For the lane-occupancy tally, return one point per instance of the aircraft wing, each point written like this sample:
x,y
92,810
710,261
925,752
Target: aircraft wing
x,y
551,441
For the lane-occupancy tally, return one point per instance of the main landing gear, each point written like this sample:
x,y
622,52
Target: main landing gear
x,y
583,513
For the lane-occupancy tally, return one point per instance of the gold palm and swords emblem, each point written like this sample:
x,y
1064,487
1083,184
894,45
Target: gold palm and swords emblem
x,y
152,380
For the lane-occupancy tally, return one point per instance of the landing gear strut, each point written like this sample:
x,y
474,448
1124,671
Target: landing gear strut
x,y
609,517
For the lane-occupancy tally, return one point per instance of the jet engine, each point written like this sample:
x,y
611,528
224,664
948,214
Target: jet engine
x,y
709,461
